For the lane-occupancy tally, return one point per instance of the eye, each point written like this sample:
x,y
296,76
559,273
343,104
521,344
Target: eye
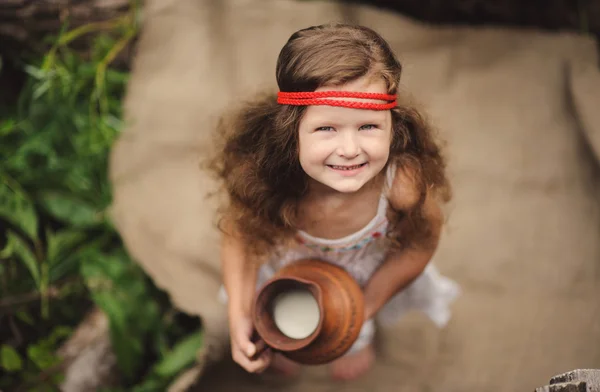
x,y
324,129
368,127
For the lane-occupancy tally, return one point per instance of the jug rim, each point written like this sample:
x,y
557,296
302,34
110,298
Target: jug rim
x,y
283,343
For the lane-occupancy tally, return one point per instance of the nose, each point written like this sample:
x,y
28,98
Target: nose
x,y
349,146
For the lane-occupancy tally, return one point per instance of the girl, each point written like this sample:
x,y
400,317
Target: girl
x,y
333,168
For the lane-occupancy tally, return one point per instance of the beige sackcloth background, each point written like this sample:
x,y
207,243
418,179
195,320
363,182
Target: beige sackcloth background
x,y
520,111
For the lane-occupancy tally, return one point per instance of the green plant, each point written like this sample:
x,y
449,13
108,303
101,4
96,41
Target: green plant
x,y
59,253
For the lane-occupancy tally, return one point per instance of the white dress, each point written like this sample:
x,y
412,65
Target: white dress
x,y
360,254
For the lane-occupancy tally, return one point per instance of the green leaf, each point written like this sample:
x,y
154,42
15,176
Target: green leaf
x,y
68,265
35,72
42,88
10,360
116,77
42,356
61,244
16,207
43,353
21,249
181,356
120,289
58,333
7,126
6,250
70,209
25,317
151,384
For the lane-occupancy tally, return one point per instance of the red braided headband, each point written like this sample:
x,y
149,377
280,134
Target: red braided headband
x,y
313,98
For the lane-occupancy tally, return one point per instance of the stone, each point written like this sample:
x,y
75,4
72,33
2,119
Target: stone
x,y
590,376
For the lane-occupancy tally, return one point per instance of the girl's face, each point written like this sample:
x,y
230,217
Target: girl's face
x,y
345,148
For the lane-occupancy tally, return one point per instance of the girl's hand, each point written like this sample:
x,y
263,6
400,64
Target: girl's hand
x,y
243,349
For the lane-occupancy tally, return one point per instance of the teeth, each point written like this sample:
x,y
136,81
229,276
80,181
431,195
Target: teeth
x,y
346,167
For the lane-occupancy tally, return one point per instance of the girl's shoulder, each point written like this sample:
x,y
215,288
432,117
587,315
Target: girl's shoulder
x,y
402,188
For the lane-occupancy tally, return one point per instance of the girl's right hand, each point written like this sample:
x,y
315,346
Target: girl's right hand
x,y
243,349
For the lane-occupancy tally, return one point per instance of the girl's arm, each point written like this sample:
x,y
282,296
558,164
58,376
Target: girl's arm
x,y
402,267
239,279
239,274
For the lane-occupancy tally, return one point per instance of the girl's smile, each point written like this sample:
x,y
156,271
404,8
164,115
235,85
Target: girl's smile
x,y
346,170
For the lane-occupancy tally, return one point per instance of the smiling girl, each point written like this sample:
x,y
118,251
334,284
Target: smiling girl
x,y
336,168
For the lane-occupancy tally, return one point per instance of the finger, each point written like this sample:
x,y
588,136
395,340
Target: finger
x,y
252,366
240,358
244,343
247,348
259,348
262,363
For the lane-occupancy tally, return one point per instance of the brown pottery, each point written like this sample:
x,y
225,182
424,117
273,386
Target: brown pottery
x,y
341,306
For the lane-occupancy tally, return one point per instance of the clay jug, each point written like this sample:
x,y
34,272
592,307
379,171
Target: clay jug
x,y
341,311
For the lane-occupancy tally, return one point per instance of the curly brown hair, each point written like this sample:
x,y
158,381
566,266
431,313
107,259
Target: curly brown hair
x,y
257,147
